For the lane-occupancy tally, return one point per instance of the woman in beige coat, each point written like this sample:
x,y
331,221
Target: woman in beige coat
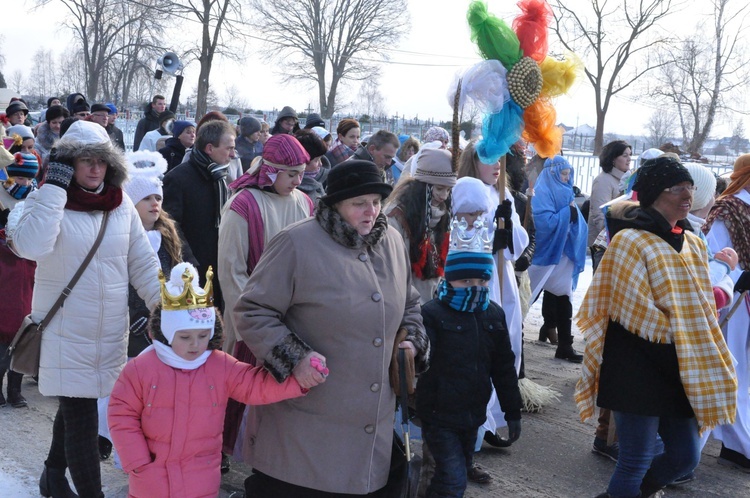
x,y
337,286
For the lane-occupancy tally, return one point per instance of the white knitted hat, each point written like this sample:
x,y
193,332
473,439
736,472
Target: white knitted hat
x,y
174,320
145,169
469,195
705,181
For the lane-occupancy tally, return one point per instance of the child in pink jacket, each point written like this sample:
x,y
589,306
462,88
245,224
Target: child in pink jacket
x,y
166,411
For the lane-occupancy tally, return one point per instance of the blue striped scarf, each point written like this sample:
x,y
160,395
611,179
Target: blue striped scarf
x,y
467,299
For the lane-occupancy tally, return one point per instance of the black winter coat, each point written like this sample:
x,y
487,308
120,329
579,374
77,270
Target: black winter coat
x,y
467,351
149,122
190,198
115,134
173,152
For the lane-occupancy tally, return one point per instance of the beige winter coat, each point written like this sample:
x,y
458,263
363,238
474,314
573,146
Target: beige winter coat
x,y
346,304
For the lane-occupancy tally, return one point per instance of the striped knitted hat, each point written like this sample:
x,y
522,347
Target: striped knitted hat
x,y
23,165
460,265
284,151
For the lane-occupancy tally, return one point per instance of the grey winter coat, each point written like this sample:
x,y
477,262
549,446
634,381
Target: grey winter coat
x,y
338,437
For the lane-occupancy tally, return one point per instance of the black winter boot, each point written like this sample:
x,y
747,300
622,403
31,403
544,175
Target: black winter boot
x,y
54,484
15,398
548,330
565,349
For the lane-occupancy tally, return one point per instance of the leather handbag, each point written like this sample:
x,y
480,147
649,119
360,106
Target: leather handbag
x,y
26,347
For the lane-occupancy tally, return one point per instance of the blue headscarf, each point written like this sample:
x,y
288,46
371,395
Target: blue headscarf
x,y
555,234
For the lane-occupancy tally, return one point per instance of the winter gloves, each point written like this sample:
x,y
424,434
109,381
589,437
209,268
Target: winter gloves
x,y
514,430
60,173
503,236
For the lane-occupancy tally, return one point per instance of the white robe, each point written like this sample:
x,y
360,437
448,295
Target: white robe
x,y
511,301
736,436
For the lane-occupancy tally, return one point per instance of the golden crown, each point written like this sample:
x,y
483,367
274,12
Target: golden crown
x,y
188,299
475,239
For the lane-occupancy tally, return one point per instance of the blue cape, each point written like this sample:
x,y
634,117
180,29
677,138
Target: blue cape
x,y
555,234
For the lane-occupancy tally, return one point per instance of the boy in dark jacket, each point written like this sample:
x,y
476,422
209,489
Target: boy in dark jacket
x,y
470,347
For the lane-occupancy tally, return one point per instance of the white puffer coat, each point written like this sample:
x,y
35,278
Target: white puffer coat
x,y
84,347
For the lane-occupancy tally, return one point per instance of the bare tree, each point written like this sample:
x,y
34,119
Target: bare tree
x,y
70,71
739,140
661,127
223,29
609,41
702,72
370,101
98,26
329,41
16,81
234,99
43,82
141,44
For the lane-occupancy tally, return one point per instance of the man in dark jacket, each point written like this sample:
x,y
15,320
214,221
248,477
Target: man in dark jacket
x,y
248,144
196,190
115,134
150,119
381,149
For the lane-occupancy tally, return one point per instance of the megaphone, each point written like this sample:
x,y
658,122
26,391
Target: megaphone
x,y
170,62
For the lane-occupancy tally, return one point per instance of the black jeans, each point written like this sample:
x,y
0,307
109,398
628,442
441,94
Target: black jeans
x,y
75,445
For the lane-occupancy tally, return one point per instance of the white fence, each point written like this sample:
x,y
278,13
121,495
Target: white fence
x,y
586,167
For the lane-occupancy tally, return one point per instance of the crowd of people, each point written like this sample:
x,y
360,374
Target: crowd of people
x,y
261,278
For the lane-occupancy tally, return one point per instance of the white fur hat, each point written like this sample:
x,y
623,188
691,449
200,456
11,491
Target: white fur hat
x,y
145,169
705,183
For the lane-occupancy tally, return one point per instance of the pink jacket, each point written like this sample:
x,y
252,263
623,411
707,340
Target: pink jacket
x,y
171,452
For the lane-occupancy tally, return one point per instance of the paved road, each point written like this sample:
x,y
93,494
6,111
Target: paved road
x,y
553,458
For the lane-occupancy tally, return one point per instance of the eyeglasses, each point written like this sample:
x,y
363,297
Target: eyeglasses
x,y
678,189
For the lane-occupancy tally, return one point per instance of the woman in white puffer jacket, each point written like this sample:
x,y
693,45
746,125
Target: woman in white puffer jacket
x,y
84,346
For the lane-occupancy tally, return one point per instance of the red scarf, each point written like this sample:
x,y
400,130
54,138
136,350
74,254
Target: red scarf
x,y
82,200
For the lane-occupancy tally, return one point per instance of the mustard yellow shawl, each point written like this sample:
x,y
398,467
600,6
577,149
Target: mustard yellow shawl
x,y
664,297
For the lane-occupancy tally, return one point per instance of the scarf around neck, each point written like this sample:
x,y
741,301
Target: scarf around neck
x,y
466,299
735,213
20,192
82,200
217,173
345,234
167,356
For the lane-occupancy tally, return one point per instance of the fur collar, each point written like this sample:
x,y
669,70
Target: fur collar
x,y
45,137
345,234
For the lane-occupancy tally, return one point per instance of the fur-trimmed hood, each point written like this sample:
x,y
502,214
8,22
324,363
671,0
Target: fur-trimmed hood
x,y
85,139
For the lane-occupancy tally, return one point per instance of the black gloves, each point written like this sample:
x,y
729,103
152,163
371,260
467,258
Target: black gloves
x,y
522,263
503,236
503,239
514,430
60,173
4,216
743,283
504,211
573,214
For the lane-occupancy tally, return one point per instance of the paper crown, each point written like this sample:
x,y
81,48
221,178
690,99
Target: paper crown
x,y
188,299
478,239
